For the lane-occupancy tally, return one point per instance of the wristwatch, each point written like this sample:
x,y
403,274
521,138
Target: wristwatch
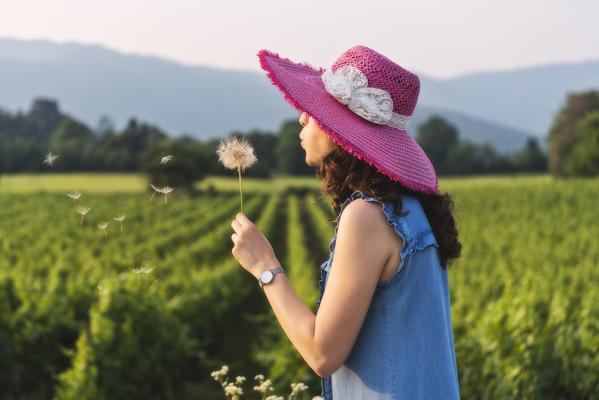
x,y
268,275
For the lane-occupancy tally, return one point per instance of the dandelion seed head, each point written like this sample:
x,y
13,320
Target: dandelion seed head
x,y
83,210
75,195
102,225
236,153
120,218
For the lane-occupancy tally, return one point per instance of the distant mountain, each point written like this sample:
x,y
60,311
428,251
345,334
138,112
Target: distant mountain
x,y
90,80
525,99
503,139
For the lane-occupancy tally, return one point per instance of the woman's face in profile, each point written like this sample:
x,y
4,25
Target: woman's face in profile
x,y
315,142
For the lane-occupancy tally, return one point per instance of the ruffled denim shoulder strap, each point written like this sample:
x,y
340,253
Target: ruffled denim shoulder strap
x,y
413,228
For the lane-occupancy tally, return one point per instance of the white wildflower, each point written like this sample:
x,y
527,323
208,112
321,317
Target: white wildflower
x,y
220,373
50,158
232,390
165,159
74,196
259,377
264,387
120,219
296,388
83,211
236,154
239,380
103,225
274,397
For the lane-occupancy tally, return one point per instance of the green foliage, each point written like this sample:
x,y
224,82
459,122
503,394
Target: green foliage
x,y
128,319
185,168
264,144
76,145
76,321
287,364
25,139
437,138
451,156
123,151
563,133
291,158
530,157
584,158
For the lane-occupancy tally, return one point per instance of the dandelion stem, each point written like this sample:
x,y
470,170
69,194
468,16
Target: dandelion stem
x,y
81,223
164,198
121,226
240,193
105,234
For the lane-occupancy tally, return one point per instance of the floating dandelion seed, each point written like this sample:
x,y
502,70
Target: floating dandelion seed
x,y
164,190
50,158
236,154
156,189
166,159
142,270
103,225
83,211
75,196
120,219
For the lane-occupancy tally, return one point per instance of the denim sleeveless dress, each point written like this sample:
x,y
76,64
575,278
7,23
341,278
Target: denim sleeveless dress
x,y
405,347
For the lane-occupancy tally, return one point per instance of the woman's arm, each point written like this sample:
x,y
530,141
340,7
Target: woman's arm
x,y
361,251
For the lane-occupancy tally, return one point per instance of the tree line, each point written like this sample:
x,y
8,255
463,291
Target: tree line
x,y
26,137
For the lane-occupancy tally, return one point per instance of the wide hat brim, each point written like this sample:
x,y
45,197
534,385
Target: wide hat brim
x,y
392,151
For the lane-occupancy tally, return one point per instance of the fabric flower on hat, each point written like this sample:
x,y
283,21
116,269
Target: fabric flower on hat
x,y
350,87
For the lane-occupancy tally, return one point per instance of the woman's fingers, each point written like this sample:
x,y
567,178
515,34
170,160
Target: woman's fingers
x,y
243,220
236,225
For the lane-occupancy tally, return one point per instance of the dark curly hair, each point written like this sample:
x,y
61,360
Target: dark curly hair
x,y
343,173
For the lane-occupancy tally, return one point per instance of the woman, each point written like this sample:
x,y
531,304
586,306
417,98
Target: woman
x,y
383,325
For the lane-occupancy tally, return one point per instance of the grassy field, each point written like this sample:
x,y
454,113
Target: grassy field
x,y
134,183
85,315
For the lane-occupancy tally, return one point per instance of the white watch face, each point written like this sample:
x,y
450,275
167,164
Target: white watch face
x,y
266,276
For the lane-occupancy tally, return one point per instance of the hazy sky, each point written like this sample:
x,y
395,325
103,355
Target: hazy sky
x,y
441,38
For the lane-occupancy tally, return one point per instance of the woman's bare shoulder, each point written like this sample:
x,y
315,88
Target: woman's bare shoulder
x,y
367,217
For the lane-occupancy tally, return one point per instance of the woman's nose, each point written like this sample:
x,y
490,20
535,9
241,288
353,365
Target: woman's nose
x,y
302,119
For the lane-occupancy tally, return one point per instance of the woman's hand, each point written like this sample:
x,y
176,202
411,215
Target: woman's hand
x,y
252,249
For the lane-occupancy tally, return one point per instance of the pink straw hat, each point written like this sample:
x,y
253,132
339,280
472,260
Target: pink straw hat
x,y
364,102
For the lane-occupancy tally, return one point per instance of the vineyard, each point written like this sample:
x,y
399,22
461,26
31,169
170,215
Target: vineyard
x,y
149,312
